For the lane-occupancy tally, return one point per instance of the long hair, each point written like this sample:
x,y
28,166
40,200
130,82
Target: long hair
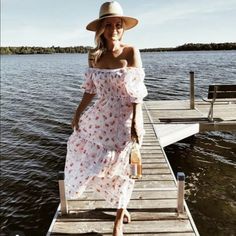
x,y
100,47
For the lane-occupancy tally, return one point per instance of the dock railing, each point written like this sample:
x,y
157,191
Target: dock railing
x,y
63,201
180,193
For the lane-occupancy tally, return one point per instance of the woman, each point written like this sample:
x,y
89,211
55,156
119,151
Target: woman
x,y
98,149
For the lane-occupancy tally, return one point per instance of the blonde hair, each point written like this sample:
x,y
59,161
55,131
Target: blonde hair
x,y
96,53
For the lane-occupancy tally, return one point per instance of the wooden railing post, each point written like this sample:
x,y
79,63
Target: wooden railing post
x,y
180,199
192,92
63,201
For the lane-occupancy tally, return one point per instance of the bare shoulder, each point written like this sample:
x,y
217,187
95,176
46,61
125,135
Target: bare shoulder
x,y
133,56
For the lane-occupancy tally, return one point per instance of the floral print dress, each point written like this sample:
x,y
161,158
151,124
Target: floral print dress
x,y
98,153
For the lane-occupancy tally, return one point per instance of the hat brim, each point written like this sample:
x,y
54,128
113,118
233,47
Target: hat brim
x,y
129,22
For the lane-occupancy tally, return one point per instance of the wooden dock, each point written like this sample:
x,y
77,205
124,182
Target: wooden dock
x,y
154,200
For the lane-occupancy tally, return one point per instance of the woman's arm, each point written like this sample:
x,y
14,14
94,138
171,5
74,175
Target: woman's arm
x,y
86,99
135,61
137,117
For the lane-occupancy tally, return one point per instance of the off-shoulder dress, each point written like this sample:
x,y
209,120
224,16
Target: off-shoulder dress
x,y
98,153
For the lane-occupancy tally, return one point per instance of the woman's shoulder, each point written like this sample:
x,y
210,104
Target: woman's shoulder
x,y
133,56
130,48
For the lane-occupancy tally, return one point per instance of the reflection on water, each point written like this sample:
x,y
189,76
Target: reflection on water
x,y
39,96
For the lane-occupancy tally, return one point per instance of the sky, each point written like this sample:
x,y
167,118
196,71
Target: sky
x,y
162,23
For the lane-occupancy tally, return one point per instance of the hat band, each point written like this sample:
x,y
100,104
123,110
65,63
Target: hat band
x,y
109,14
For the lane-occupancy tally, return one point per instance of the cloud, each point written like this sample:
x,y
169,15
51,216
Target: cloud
x,y
183,10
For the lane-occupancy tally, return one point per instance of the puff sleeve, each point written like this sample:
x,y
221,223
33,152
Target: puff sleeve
x,y
134,83
88,83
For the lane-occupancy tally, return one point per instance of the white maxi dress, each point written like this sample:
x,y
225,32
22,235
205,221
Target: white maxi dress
x,y
98,153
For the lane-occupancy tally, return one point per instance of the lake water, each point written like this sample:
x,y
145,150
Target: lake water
x,y
39,96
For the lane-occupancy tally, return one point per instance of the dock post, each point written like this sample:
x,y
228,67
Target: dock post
x,y
64,206
192,92
180,199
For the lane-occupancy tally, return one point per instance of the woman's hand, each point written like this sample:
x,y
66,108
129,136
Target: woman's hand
x,y
86,99
75,121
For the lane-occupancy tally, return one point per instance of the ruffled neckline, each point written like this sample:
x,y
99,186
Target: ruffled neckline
x,y
116,69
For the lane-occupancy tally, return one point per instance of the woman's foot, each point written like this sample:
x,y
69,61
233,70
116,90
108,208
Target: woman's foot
x,y
127,217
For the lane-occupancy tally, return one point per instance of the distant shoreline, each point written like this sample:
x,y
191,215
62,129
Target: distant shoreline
x,y
195,47
84,49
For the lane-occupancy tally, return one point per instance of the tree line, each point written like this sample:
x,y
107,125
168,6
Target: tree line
x,y
43,50
83,49
195,47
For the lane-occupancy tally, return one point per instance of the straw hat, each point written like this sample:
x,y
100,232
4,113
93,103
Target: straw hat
x,y
112,9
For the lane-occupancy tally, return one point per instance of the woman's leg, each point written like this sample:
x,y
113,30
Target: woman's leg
x,y
118,224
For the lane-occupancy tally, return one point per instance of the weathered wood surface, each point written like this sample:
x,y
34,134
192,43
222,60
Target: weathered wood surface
x,y
150,226
137,194
171,110
153,202
134,204
109,214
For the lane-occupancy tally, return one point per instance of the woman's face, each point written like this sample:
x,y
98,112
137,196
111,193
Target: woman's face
x,y
113,29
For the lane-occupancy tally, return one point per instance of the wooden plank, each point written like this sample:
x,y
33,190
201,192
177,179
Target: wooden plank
x,y
159,177
163,226
149,130
155,184
133,204
149,234
157,194
155,165
154,151
156,171
150,138
145,148
150,143
149,155
137,194
164,234
149,133
100,215
153,161
147,152
154,157
157,115
157,105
